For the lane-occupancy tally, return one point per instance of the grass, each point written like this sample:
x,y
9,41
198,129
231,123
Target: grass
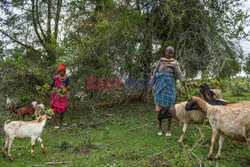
x,y
107,138
228,97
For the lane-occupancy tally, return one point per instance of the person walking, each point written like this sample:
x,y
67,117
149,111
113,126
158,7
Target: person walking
x,y
164,80
60,85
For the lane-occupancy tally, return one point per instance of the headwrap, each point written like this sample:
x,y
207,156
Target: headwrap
x,y
62,67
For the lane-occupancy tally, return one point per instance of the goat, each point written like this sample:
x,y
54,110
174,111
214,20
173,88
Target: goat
x,y
37,106
21,111
233,122
216,93
24,129
179,113
208,96
9,102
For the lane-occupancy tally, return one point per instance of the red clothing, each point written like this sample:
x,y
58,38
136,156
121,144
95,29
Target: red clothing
x,y
62,67
58,99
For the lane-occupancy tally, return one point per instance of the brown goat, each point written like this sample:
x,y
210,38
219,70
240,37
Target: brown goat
x,y
24,110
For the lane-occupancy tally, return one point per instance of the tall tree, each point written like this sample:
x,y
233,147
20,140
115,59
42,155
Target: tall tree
x,y
32,24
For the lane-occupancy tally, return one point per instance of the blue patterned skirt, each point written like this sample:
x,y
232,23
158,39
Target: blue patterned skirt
x,y
164,89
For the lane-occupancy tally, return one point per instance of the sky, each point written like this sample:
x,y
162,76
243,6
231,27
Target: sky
x,y
245,43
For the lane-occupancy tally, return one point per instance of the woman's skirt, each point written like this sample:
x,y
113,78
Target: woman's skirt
x,y
58,104
164,89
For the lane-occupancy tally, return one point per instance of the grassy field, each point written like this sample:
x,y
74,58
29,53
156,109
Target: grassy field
x,y
121,136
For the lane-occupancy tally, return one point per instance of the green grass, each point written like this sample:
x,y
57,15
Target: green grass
x,y
228,97
104,138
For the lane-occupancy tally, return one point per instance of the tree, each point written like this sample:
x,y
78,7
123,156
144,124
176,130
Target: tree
x,y
31,35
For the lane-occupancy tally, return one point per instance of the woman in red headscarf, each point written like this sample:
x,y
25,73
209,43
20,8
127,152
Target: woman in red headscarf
x,y
60,85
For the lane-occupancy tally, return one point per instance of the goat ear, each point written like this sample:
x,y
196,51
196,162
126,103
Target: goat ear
x,y
39,118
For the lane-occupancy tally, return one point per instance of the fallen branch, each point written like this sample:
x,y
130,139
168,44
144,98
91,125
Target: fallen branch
x,y
56,163
197,144
141,127
98,123
151,156
200,161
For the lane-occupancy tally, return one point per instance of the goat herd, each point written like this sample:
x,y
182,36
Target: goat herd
x,y
226,119
24,129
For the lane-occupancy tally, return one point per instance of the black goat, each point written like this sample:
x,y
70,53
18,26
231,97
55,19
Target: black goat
x,y
208,95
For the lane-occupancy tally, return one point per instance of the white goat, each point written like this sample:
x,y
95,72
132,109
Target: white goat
x,y
37,106
9,102
180,114
24,129
231,121
186,118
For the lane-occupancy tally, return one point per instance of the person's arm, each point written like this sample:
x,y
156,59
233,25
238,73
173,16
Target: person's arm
x,y
178,72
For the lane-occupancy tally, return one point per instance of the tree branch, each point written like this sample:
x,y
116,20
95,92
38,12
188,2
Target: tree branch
x,y
58,10
49,21
38,21
35,24
15,40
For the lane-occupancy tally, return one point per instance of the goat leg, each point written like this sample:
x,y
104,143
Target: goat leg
x,y
160,128
212,146
221,140
248,135
168,133
183,132
42,146
5,146
199,129
33,142
9,146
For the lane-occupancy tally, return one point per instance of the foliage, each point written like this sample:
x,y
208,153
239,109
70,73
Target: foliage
x,y
239,86
115,39
247,65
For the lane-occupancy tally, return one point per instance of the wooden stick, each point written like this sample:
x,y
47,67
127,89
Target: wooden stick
x,y
56,163
141,127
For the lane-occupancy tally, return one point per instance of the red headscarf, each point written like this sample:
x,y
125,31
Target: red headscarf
x,y
62,67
